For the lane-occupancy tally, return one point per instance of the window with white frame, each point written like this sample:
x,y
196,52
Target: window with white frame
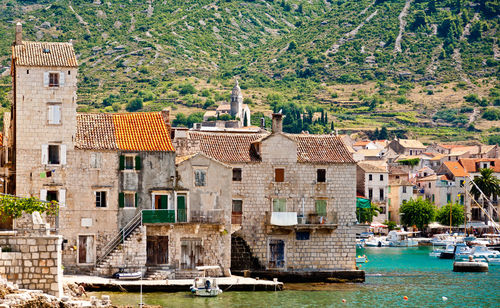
x,y
53,154
95,160
54,157
53,79
54,114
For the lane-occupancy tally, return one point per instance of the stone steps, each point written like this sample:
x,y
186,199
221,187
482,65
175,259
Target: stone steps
x,y
115,254
159,273
188,274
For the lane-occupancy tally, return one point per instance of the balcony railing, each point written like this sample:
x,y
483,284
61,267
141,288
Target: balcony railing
x,y
169,216
312,220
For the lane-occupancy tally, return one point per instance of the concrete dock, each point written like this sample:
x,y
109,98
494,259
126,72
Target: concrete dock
x,y
233,283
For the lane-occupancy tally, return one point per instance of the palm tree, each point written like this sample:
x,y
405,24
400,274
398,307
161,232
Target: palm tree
x,y
488,184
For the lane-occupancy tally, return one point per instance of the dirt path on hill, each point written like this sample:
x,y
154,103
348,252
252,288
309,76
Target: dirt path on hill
x,y
402,25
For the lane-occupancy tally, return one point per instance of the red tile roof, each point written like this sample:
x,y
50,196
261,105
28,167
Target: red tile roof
x,y
227,147
123,131
321,149
44,54
456,168
470,165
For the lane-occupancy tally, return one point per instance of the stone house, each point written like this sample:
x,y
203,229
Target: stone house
x,y
409,147
373,183
400,190
293,201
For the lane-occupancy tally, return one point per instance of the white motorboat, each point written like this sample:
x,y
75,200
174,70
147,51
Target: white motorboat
x,y
401,239
128,276
205,287
436,252
442,240
483,253
376,242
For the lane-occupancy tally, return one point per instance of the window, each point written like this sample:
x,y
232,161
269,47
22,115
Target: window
x,y
100,199
279,175
370,193
302,235
130,199
448,198
370,177
321,207
200,177
53,79
381,177
54,114
237,174
397,177
54,195
321,175
279,205
129,162
381,194
404,189
54,154
51,195
430,186
237,213
95,160
27,72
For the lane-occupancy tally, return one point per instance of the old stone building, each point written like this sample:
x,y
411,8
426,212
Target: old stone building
x,y
293,199
373,183
235,108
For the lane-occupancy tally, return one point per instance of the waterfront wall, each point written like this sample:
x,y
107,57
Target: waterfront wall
x,y
32,262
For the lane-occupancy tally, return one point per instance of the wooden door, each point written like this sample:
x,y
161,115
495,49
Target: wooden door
x,y
191,253
276,253
181,208
85,249
161,202
157,250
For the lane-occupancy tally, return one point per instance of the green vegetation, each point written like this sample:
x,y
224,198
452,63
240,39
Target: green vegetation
x,y
417,213
487,183
367,214
184,55
11,206
457,214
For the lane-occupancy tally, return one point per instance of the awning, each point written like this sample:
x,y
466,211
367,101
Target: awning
x,y
476,225
363,203
377,225
436,225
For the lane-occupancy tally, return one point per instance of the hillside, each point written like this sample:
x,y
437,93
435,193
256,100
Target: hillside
x,y
407,65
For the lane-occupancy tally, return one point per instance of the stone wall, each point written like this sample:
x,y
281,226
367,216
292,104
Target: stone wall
x,y
33,260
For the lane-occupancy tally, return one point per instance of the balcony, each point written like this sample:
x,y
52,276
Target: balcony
x,y
169,216
295,221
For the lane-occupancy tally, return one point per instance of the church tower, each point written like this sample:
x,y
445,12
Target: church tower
x,y
43,118
236,101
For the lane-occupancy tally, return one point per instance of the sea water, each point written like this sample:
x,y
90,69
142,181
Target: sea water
x,y
395,277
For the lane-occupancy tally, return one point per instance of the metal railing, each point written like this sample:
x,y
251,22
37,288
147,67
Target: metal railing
x,y
210,216
120,237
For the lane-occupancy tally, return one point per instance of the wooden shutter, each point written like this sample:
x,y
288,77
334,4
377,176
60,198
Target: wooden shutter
x,y
63,154
50,114
279,205
45,79
321,207
121,199
61,79
122,162
43,195
136,199
56,116
137,162
62,197
279,175
45,154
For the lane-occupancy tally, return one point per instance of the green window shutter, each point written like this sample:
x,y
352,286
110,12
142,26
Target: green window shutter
x,y
321,207
164,202
136,199
122,162
137,163
121,200
279,205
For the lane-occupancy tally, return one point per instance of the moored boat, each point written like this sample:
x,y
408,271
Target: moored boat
x,y
205,287
401,239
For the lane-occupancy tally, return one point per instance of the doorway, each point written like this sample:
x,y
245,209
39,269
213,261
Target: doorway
x,y
276,253
161,202
181,208
157,250
191,251
85,249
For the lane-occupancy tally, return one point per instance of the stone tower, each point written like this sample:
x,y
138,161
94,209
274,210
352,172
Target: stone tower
x,y
236,101
43,121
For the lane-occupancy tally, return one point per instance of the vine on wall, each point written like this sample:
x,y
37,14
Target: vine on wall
x,y
12,206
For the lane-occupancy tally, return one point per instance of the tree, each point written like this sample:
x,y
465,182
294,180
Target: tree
x,y
292,45
383,133
487,183
134,104
180,120
419,20
457,214
418,213
367,214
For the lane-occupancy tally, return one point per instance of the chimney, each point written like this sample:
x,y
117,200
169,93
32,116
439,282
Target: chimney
x,y
277,123
19,34
263,123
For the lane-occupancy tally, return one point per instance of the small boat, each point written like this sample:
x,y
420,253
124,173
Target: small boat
x,y
361,259
128,276
436,252
205,287
401,239
376,242
481,253
442,240
448,253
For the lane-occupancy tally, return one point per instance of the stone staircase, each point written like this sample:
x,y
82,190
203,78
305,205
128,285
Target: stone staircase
x,y
188,274
129,255
241,255
159,273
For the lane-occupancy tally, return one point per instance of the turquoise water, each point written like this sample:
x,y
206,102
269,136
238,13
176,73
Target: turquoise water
x,y
392,273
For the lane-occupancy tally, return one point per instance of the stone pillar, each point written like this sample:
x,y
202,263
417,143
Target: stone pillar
x,y
277,123
19,34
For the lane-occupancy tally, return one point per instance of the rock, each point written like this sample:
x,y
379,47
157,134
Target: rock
x,y
46,25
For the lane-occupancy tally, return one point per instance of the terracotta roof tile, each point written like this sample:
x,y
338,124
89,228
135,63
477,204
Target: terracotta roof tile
x,y
456,168
411,143
124,131
321,149
470,165
44,54
228,147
